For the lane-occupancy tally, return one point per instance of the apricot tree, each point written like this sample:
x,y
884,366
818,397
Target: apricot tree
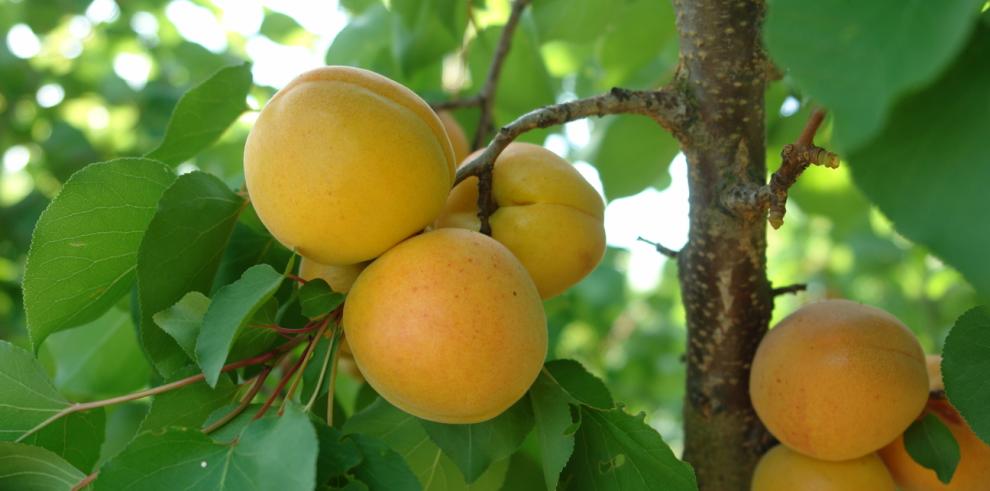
x,y
362,229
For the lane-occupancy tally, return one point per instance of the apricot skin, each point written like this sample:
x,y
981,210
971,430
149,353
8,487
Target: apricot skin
x,y
447,326
344,163
547,215
340,278
782,469
837,380
973,471
458,140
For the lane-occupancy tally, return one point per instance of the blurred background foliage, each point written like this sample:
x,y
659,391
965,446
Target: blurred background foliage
x,y
84,81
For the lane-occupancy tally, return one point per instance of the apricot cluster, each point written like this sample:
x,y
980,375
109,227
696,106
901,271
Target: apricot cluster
x,y
973,471
353,172
835,381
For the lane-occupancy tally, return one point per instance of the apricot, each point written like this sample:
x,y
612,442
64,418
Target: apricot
x,y
973,471
447,326
837,380
458,140
547,215
344,163
782,469
340,278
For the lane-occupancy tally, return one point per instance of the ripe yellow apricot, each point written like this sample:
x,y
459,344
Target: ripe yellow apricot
x,y
782,469
447,326
458,140
837,380
973,471
340,278
548,215
344,163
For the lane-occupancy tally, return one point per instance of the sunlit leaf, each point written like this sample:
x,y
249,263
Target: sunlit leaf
x,y
204,113
85,246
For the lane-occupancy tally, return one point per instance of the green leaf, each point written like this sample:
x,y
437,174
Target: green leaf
x,y
579,384
77,438
366,42
404,434
859,58
632,153
639,33
381,468
183,320
26,467
100,359
317,299
122,424
181,252
965,364
188,406
425,30
927,169
475,447
231,309
614,450
524,84
930,443
85,245
279,27
204,113
572,20
552,412
337,453
29,398
271,453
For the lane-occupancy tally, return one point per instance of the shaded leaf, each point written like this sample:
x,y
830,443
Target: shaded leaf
x,y
552,412
572,20
100,359
317,299
858,58
85,245
965,365
34,468
614,450
475,447
631,154
927,169
271,453
930,443
29,398
188,406
337,453
231,309
381,468
579,384
404,434
183,320
181,252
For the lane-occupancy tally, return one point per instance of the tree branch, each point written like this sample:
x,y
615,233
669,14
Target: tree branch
x,y
795,158
79,407
660,248
472,101
784,290
487,95
667,106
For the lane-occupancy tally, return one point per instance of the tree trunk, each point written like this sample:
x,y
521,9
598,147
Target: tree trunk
x,y
723,267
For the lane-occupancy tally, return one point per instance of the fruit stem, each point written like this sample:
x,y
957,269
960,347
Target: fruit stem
x,y
259,381
301,368
79,407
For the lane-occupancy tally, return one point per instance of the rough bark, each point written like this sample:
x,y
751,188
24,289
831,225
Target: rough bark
x,y
723,267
